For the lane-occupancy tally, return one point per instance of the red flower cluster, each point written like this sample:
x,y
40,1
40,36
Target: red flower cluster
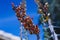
x,y
25,20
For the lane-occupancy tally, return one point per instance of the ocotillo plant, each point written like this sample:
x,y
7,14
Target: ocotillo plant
x,y
25,20
43,10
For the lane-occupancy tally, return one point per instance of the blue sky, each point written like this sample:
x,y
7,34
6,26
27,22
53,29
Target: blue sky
x,y
8,20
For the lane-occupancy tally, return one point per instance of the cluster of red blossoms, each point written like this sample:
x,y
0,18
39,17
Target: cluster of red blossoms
x,y
26,21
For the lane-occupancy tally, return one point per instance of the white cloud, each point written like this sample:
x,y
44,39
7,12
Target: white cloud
x,y
8,35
